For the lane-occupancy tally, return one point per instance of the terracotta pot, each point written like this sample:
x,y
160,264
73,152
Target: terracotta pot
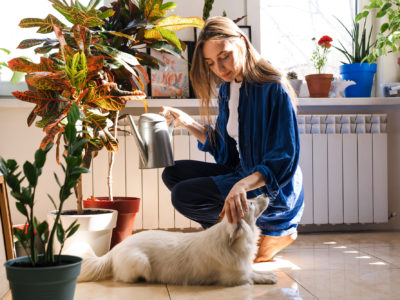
x,y
127,208
319,85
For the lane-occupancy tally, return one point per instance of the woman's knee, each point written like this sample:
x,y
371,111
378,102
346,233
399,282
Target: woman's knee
x,y
179,196
168,177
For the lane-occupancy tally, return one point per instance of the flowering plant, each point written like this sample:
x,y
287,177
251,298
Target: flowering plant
x,y
319,55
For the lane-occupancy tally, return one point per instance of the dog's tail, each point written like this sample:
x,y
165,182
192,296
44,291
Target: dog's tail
x,y
95,268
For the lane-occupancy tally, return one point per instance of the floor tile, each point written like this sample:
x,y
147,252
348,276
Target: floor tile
x,y
350,284
111,290
286,288
390,254
330,259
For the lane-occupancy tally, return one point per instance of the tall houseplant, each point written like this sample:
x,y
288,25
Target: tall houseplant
x,y
135,27
356,69
48,276
320,83
117,38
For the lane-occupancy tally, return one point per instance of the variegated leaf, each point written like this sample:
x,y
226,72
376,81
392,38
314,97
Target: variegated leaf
x,y
94,65
45,25
121,35
47,81
175,23
40,98
31,43
82,37
108,140
170,36
106,14
152,34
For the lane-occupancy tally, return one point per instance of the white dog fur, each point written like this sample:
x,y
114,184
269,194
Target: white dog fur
x,y
222,255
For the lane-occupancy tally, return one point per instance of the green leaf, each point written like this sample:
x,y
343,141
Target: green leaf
x,y
52,200
30,172
73,114
384,27
60,233
79,170
361,15
40,158
73,230
170,36
70,132
21,208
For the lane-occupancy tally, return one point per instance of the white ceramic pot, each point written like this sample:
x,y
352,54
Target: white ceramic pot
x,y
95,231
296,85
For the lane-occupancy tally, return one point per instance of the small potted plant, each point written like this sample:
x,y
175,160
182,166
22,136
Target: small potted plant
x,y
319,84
294,82
47,276
357,68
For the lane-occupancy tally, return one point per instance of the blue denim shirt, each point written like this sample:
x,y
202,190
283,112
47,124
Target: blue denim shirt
x,y
268,143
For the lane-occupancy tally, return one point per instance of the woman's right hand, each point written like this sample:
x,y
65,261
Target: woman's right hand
x,y
179,117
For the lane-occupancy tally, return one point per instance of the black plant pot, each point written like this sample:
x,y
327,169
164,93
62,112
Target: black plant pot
x,y
43,283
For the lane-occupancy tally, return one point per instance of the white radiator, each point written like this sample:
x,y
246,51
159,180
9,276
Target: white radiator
x,y
343,159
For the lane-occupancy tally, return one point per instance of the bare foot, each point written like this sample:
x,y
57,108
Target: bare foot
x,y
269,246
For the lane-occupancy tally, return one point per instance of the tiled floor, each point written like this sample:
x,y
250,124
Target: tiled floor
x,y
317,266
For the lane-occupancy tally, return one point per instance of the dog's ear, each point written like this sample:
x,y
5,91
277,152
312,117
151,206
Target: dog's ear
x,y
234,234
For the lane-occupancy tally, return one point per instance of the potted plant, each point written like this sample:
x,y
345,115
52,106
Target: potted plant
x,y
73,73
47,276
135,27
356,68
388,38
117,45
294,82
319,84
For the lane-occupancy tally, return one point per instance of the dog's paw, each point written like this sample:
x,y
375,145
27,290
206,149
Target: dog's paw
x,y
264,278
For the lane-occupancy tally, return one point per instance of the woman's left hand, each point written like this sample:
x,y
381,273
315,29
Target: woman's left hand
x,y
235,204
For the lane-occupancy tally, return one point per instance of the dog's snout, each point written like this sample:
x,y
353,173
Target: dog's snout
x,y
262,202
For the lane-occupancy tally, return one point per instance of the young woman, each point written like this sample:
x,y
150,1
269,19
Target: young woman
x,y
255,141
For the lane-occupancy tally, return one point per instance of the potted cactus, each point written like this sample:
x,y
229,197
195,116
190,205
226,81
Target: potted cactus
x,y
294,82
46,276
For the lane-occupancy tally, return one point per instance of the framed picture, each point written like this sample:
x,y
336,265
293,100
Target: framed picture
x,y
6,220
171,80
246,30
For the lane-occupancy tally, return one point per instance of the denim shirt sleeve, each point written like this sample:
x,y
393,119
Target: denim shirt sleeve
x,y
280,145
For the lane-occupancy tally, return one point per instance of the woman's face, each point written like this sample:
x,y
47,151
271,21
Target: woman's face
x,y
225,58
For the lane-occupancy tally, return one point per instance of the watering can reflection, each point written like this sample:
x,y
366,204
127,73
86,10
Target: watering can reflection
x,y
153,139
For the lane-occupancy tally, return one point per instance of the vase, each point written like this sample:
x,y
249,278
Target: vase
x,y
319,85
43,283
127,208
362,74
95,230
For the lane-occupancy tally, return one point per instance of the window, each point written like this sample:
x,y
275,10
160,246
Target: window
x,y
288,26
12,34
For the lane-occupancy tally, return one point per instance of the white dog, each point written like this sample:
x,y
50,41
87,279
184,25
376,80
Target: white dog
x,y
222,255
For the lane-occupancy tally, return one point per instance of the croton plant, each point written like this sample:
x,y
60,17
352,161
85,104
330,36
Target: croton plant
x,y
96,63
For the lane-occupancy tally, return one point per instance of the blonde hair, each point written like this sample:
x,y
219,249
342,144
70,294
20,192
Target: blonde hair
x,y
255,68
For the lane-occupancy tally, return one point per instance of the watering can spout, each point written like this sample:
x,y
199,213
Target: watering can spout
x,y
153,138
139,142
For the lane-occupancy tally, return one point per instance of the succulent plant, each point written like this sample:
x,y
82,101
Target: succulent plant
x,y
291,75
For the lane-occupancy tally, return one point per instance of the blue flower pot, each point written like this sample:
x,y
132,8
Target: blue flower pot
x,y
43,283
362,75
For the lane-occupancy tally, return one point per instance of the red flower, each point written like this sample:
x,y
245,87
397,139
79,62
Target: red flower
x,y
325,41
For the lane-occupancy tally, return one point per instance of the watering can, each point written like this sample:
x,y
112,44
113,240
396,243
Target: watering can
x,y
153,139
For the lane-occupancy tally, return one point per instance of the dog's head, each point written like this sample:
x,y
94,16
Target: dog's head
x,y
256,208
248,222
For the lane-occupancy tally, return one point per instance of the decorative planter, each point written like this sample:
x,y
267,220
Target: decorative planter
x,y
362,74
296,85
43,283
127,208
319,85
95,230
